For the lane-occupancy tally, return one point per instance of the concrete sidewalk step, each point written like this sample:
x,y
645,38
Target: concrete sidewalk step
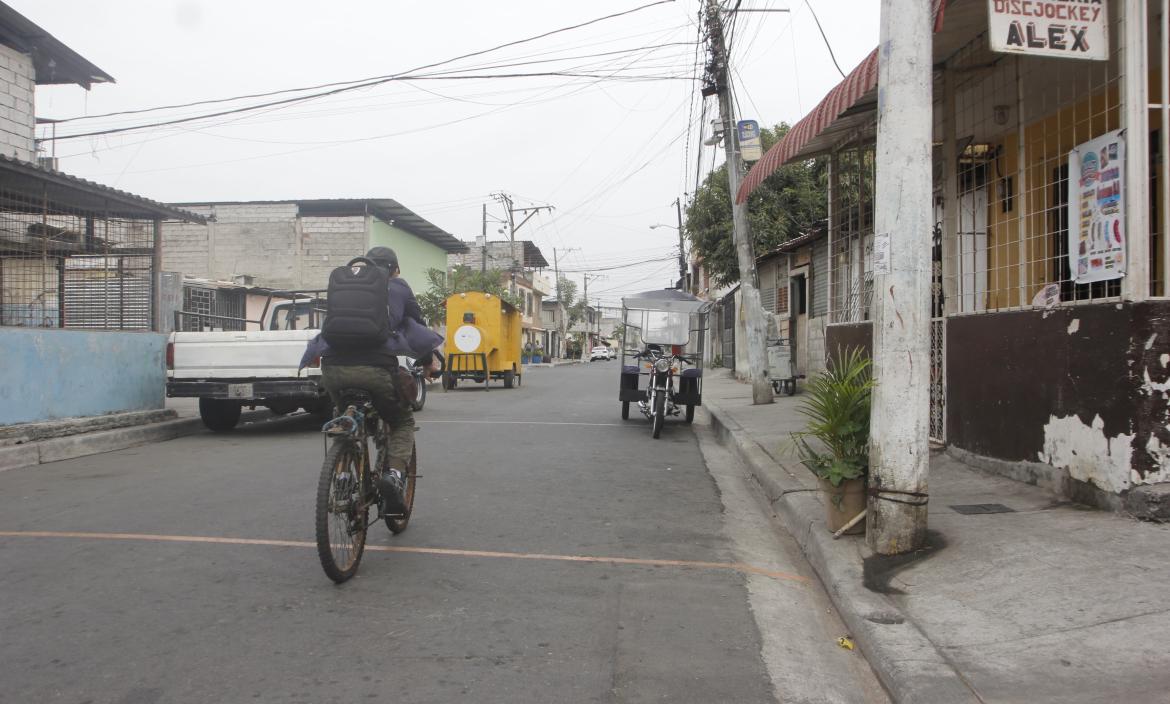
x,y
152,426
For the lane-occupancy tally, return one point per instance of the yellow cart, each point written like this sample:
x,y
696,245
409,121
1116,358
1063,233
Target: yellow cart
x,y
483,340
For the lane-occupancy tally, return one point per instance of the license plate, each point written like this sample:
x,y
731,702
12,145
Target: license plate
x,y
239,391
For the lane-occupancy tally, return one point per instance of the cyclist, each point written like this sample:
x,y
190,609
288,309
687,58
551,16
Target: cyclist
x,y
373,367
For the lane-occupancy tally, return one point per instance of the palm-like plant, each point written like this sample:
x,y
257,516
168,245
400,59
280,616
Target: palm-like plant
x,y
836,406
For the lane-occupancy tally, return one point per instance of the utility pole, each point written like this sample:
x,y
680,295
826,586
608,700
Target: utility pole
x,y
900,417
585,297
560,302
511,210
483,250
682,252
741,231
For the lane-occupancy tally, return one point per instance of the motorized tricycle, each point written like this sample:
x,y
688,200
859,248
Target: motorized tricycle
x,y
662,341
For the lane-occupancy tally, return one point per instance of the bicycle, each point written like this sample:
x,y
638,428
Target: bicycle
x,y
347,489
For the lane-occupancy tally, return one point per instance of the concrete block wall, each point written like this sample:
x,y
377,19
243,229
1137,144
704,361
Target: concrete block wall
x,y
17,84
327,243
186,246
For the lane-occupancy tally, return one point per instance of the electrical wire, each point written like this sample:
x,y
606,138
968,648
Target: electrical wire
x,y
350,83
827,45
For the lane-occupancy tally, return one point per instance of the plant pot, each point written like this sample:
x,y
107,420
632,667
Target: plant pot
x,y
536,359
524,359
842,503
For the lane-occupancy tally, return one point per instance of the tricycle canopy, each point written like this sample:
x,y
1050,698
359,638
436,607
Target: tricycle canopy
x,y
665,317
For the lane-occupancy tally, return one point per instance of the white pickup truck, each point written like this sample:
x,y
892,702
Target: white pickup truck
x,y
229,369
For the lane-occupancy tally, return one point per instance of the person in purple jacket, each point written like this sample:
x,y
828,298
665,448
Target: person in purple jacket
x,y
375,370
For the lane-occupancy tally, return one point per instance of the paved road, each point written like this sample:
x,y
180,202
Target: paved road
x,y
149,590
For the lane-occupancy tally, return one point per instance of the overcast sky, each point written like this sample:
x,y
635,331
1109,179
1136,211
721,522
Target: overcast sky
x,y
610,155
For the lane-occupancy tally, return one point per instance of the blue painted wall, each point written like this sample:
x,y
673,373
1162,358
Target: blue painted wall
x,y
63,373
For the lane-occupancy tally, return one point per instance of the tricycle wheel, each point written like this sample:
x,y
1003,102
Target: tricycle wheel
x,y
449,381
509,379
790,387
690,413
625,410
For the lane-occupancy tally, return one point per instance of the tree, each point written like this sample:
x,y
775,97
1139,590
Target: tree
x,y
786,205
461,279
574,309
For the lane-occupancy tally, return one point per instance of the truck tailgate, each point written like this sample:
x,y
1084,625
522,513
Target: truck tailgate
x,y
260,354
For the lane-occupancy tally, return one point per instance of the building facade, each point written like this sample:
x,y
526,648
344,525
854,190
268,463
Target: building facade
x,y
1049,256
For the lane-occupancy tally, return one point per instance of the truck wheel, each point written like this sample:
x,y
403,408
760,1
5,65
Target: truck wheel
x,y
218,414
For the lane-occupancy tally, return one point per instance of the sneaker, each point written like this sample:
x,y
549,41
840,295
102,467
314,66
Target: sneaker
x,y
390,486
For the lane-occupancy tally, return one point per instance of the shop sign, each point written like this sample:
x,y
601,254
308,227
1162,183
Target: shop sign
x,y
750,146
1096,209
1070,29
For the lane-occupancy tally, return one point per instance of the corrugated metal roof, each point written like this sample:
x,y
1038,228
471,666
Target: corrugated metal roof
x,y
53,61
854,97
24,185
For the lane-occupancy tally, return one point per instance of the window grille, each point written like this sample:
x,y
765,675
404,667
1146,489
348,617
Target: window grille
x,y
851,195
68,260
1016,118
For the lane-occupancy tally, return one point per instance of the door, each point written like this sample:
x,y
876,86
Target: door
x,y
798,318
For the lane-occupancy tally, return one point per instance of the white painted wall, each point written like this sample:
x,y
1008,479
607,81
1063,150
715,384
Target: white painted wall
x,y
17,124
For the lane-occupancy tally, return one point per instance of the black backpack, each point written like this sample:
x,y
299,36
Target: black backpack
x,y
357,316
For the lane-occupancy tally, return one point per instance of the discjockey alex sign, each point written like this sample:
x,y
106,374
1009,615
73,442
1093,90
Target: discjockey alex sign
x,y
1070,29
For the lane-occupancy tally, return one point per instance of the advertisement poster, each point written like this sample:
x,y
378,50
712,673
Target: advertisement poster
x,y
1070,29
750,146
1096,209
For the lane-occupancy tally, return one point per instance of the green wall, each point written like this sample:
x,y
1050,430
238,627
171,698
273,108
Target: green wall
x,y
415,255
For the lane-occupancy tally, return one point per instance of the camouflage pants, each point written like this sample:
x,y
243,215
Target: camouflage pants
x,y
379,383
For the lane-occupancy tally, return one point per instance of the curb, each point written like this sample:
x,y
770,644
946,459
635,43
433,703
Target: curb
x,y
84,444
908,664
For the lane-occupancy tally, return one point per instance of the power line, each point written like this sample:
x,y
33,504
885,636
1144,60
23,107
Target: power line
x,y
350,83
827,45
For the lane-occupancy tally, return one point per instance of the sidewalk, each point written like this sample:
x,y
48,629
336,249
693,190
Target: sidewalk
x,y
1050,602
30,444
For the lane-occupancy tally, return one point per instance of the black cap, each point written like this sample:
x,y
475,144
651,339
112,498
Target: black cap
x,y
383,256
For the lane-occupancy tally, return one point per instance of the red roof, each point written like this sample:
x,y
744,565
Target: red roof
x,y
844,96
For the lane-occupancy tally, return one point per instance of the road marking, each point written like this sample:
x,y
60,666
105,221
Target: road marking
x,y
643,562
524,422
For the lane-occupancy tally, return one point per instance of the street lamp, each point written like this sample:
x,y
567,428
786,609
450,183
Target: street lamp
x,y
655,227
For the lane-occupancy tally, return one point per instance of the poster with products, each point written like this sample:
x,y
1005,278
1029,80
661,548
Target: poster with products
x,y
1096,209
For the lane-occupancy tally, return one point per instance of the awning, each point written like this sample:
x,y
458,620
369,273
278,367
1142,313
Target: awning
x,y
669,300
856,95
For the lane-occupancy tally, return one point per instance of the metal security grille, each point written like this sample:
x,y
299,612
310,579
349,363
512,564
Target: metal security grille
x,y
938,381
71,258
851,192
1015,121
208,308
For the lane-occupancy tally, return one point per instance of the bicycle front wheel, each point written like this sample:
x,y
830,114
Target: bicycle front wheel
x,y
397,524
341,511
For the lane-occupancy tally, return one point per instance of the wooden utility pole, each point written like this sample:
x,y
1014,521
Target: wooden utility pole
x,y
900,417
753,311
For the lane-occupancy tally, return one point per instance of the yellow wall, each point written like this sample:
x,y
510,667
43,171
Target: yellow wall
x,y
1047,143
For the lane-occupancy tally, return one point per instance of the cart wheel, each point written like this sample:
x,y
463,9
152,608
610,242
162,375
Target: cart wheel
x,y
777,388
790,387
449,380
625,410
690,413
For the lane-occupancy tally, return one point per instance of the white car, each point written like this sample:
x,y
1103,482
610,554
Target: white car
x,y
601,352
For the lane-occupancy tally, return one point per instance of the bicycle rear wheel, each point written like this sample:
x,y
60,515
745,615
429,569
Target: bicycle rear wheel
x,y
397,524
341,511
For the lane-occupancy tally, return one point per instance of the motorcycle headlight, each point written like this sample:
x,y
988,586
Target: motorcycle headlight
x,y
662,365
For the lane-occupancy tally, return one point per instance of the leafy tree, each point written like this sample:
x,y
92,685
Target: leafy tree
x,y
461,279
574,309
785,206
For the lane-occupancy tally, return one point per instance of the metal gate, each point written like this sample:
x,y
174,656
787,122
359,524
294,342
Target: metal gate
x,y
728,334
938,344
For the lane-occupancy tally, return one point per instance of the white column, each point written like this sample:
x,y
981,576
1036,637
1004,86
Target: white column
x,y
900,452
1135,101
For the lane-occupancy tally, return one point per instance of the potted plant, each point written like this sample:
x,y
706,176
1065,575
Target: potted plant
x,y
836,409
537,354
526,353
